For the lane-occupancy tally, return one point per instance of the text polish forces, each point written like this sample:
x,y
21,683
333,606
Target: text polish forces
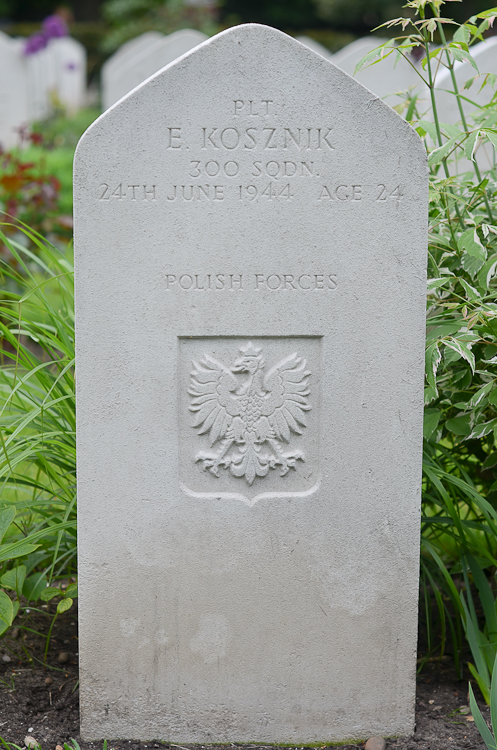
x,y
273,282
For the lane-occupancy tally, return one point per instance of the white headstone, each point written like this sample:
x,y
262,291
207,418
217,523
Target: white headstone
x,y
390,76
42,82
70,66
112,66
485,56
13,91
315,46
136,45
140,67
250,240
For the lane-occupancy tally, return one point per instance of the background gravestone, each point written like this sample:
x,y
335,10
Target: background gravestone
x,y
250,239
307,41
391,75
42,82
70,76
141,66
485,56
120,58
13,91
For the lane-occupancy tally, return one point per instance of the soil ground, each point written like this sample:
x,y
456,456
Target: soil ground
x,y
43,701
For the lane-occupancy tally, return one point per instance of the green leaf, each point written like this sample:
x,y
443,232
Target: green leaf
x,y
482,429
460,347
480,394
14,579
463,34
470,145
493,700
487,13
470,242
50,593
432,360
490,461
461,55
441,152
71,590
491,135
487,272
19,549
430,128
6,518
34,586
6,609
64,605
430,422
459,425
436,283
471,264
375,55
473,294
480,722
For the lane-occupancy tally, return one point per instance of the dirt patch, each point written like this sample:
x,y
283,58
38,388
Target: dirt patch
x,y
44,701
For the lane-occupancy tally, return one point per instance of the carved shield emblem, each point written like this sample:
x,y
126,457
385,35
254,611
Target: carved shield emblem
x,y
248,417
250,412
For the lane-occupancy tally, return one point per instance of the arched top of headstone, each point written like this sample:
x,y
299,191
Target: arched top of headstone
x,y
132,46
279,69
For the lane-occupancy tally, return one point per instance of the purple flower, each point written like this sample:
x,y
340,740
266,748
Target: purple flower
x,y
54,27
35,43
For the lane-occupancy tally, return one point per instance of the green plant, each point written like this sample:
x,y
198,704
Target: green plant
x,y
37,426
459,531
488,737
28,194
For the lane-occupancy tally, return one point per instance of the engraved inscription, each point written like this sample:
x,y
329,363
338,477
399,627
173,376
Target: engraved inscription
x,y
250,413
123,191
273,282
252,159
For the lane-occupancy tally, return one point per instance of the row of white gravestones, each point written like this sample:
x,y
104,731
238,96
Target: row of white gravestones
x,y
143,57
57,74
29,84
250,402
390,76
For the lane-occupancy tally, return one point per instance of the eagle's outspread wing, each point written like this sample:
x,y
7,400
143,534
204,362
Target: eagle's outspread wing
x,y
286,400
213,401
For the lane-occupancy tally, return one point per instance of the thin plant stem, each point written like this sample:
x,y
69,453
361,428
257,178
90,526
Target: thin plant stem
x,y
47,643
431,86
450,63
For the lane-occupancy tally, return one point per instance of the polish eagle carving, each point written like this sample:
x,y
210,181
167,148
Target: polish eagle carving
x,y
249,419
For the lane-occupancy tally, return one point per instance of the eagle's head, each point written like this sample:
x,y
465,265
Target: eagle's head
x,y
249,361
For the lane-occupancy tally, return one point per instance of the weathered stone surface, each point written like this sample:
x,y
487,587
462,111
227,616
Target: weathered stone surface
x,y
250,240
13,91
141,66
